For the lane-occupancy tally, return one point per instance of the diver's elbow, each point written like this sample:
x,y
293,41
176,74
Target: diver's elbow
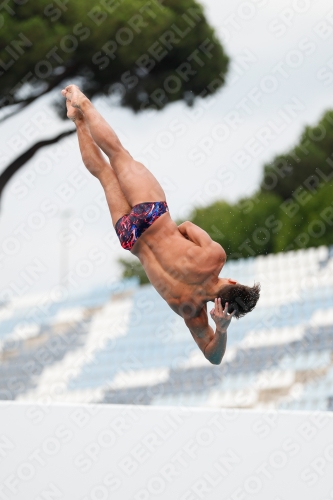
x,y
215,361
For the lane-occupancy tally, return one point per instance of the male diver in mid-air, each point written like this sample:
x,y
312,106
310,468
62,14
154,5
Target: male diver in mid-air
x,y
182,262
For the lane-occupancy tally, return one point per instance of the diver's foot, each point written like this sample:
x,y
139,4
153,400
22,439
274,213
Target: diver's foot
x,y
74,94
74,114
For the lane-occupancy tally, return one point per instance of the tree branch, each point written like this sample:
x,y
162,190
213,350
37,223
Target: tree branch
x,y
25,102
13,167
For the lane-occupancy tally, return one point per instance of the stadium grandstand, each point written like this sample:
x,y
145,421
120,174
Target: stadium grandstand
x,y
123,345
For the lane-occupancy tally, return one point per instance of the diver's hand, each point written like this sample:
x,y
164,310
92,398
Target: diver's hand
x,y
221,316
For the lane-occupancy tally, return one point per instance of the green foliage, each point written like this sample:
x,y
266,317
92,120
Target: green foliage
x,y
264,223
292,210
133,268
244,229
306,165
310,225
134,47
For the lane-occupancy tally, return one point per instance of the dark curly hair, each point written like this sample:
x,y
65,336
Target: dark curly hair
x,y
240,298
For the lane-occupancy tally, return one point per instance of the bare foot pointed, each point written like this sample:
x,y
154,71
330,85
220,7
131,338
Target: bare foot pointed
x,y
74,95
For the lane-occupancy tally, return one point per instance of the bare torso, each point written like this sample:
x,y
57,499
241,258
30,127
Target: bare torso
x,y
179,269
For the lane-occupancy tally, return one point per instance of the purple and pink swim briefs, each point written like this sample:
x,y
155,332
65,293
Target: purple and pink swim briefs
x,y
130,227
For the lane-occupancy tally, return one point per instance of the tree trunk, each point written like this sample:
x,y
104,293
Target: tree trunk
x,y
21,160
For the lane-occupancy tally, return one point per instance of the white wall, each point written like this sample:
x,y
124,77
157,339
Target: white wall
x,y
99,452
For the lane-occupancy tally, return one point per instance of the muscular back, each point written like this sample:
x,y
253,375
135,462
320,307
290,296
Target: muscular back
x,y
180,269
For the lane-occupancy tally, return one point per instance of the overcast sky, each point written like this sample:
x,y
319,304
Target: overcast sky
x,y
280,79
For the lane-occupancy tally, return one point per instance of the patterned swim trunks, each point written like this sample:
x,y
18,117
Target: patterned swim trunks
x,y
130,227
